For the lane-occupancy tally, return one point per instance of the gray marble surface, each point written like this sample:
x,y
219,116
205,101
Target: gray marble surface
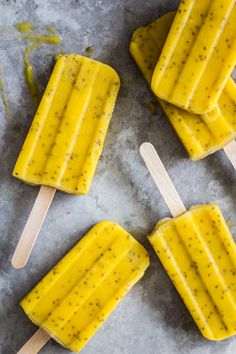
x,y
152,317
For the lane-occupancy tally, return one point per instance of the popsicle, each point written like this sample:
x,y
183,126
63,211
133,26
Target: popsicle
x,y
66,138
201,135
199,55
198,252
74,299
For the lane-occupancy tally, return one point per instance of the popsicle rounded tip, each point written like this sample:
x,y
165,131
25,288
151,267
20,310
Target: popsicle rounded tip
x,y
144,147
18,263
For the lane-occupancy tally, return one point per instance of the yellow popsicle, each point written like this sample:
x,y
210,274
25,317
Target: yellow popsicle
x,y
73,300
67,135
201,135
199,254
199,55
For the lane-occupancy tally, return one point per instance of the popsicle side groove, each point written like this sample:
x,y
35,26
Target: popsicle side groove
x,y
182,64
31,144
116,296
213,265
203,33
50,119
69,148
86,279
89,292
183,15
64,112
224,67
96,144
81,146
60,269
183,286
103,280
177,28
119,294
59,149
200,64
207,258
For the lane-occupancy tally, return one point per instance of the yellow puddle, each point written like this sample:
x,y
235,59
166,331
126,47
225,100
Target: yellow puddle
x,y
34,41
24,26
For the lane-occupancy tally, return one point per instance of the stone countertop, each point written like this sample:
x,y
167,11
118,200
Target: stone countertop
x,y
152,318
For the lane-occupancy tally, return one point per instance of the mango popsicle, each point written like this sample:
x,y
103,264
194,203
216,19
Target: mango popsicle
x,y
199,55
73,300
66,138
198,252
67,135
201,135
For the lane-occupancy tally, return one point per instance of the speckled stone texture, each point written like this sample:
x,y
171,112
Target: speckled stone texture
x,y
152,318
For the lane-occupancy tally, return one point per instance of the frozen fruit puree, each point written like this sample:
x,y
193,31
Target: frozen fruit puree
x,y
73,300
198,56
67,135
200,134
199,254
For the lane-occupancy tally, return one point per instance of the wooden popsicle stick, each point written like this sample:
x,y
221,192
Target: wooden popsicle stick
x,y
35,343
33,226
161,179
230,151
